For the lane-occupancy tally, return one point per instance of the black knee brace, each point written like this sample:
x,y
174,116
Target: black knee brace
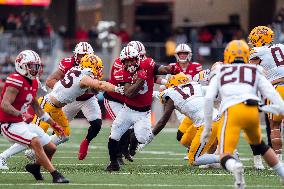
x,y
260,148
179,135
94,129
225,159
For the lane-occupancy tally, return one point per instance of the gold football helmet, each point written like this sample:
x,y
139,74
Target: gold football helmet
x,y
237,51
94,63
177,79
261,36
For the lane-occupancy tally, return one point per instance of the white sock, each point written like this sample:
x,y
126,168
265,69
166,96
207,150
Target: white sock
x,y
279,169
14,149
58,140
207,159
230,164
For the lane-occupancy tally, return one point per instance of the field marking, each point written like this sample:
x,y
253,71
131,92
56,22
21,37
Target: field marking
x,y
136,185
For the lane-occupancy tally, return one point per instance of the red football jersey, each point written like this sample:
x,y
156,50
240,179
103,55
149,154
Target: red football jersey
x,y
192,69
144,98
27,92
66,64
116,77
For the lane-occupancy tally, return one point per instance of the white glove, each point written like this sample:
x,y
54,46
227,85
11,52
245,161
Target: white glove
x,y
156,94
205,135
119,89
141,147
272,108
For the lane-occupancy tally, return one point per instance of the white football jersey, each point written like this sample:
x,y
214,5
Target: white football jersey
x,y
236,83
68,89
189,100
272,60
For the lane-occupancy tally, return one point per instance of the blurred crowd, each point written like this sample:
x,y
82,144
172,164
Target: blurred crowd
x,y
26,24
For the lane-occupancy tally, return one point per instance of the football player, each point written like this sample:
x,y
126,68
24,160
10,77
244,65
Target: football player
x,y
75,82
238,85
88,102
188,98
271,57
139,82
18,94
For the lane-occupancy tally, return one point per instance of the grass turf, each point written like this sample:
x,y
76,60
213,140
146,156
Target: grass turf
x,y
160,165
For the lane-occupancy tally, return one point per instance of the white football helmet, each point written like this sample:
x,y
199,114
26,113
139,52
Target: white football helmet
x,y
138,46
183,48
130,52
28,64
82,48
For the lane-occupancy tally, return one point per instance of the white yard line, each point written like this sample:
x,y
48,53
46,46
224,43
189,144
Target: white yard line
x,y
137,185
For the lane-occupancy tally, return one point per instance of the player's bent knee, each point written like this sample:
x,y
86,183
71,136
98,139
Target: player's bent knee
x,y
261,148
179,135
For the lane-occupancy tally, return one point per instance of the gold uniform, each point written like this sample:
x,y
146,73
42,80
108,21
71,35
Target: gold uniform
x,y
55,113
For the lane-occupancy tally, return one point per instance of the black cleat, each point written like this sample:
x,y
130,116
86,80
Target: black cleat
x,y
58,177
120,161
128,157
34,169
112,167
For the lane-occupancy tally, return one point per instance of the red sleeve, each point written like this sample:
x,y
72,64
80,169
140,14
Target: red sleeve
x,y
65,64
14,80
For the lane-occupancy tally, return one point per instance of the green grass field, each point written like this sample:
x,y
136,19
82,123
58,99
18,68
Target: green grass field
x,y
160,165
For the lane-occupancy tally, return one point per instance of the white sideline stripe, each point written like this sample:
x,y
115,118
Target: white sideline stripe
x,y
128,173
135,185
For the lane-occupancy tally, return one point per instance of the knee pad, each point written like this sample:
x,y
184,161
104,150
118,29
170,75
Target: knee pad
x,y
179,135
94,129
259,148
225,159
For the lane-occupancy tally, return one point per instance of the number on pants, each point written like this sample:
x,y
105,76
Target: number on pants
x,y
243,78
67,81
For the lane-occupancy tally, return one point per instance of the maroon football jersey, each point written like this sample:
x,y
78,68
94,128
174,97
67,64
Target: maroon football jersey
x,y
27,93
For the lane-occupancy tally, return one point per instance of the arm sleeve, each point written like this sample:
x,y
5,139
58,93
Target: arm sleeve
x,y
211,93
14,81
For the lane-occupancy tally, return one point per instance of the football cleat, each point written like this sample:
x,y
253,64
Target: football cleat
x,y
238,172
34,169
120,161
113,166
83,151
257,162
59,178
30,154
128,157
3,164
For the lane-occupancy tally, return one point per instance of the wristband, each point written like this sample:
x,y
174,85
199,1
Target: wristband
x,y
45,117
164,81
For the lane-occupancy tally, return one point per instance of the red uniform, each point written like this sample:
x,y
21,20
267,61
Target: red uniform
x,y
115,79
27,92
192,69
143,99
66,64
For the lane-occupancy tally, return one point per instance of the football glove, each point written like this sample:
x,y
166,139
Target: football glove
x,y
175,69
58,129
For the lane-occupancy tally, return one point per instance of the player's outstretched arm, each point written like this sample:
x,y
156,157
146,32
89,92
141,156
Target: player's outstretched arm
x,y
7,101
87,81
169,107
163,70
53,78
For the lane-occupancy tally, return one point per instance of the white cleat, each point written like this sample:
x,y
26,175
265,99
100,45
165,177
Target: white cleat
x,y
257,162
3,164
239,176
30,154
186,158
